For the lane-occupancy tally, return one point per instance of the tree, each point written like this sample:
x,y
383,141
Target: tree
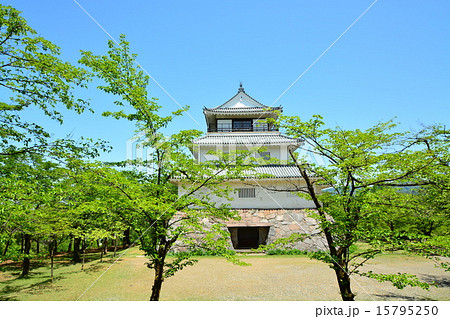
x,y
431,211
28,196
148,201
364,170
34,75
92,220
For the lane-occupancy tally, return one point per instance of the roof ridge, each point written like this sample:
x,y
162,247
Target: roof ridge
x,y
213,108
241,90
254,99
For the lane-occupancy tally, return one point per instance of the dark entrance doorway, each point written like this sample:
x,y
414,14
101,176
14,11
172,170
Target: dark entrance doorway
x,y
248,237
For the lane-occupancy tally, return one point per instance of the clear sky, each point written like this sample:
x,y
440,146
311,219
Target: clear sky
x,y
394,62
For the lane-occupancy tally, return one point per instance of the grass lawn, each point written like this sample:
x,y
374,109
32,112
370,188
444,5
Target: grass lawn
x,y
212,278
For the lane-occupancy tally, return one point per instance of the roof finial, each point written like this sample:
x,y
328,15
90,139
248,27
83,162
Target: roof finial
x,y
241,88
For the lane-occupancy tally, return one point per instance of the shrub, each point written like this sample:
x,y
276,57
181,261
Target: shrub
x,y
202,252
286,252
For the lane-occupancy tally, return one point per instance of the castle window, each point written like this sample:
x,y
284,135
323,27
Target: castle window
x,y
246,192
259,125
224,125
265,155
242,125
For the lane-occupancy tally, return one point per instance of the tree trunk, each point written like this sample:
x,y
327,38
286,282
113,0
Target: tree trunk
x,y
344,285
164,247
102,249
84,253
52,254
126,238
26,251
105,245
6,247
157,283
21,244
69,248
37,246
51,267
115,245
76,250
339,264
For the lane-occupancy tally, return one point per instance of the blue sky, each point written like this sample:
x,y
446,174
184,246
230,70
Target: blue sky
x,y
394,62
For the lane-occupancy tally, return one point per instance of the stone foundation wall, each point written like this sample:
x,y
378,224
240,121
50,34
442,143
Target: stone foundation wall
x,y
282,223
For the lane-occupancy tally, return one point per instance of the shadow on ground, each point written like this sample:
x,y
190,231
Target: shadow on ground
x,y
35,288
441,281
15,267
392,296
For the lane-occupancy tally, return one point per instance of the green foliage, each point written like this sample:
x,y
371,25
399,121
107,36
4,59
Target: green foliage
x,y
385,188
149,202
399,280
180,261
33,177
286,252
125,81
203,252
281,244
435,247
30,198
31,71
40,198
323,256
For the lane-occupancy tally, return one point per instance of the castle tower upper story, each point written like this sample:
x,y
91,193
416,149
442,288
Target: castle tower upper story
x,y
240,124
241,113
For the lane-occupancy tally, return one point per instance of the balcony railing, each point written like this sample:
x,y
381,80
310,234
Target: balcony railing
x,y
212,128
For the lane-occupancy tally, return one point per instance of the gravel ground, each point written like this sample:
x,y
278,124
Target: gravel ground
x,y
298,278
212,278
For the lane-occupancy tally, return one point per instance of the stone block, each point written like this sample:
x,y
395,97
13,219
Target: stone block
x,y
297,217
269,215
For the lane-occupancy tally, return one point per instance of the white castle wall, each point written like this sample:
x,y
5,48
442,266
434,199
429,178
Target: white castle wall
x,y
278,152
265,198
